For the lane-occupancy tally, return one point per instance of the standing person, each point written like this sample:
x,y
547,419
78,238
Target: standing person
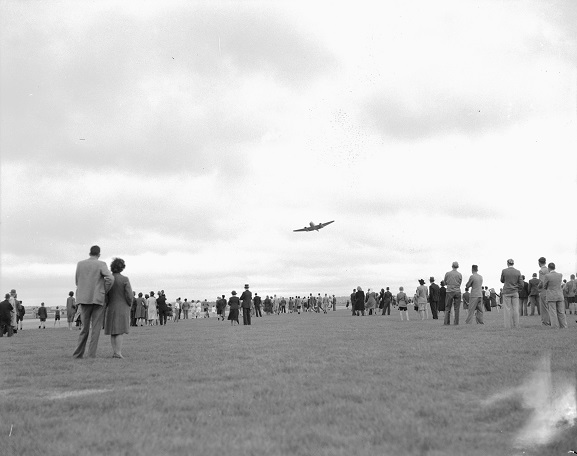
x,y
434,296
282,305
162,308
453,280
353,294
466,299
442,297
176,310
543,304
387,304
523,297
512,282
185,309
57,316
298,304
534,294
6,309
403,303
334,303
257,303
220,307
555,301
327,301
16,306
152,312
42,315
371,302
422,294
571,292
234,305
476,305
20,312
140,313
359,302
93,280
245,299
291,303
133,310
117,315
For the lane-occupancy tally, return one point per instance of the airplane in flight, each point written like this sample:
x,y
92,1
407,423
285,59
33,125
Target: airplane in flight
x,y
313,227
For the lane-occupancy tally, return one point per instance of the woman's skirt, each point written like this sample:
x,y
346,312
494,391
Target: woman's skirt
x,y
233,315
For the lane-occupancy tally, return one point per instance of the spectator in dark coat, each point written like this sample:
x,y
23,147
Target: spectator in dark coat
x,y
359,302
6,309
434,296
234,305
117,313
442,296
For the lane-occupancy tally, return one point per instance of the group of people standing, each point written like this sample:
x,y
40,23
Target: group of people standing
x,y
546,293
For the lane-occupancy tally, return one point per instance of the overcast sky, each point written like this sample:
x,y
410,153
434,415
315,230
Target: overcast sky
x,y
190,139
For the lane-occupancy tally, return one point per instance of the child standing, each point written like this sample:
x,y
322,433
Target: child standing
x,y
403,303
57,316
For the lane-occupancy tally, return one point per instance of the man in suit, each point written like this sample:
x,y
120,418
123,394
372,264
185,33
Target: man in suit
x,y
543,304
6,310
434,292
93,280
534,294
388,300
162,308
571,288
476,299
511,278
554,295
523,298
246,298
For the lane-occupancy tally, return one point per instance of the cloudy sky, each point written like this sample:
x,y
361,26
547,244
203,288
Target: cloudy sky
x,y
190,139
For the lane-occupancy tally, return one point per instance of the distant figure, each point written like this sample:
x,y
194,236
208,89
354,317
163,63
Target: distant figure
x,y
555,301
434,296
93,280
57,316
476,305
543,304
403,303
453,281
466,299
117,317
220,307
234,305
571,293
442,297
523,297
42,315
534,294
152,313
371,302
298,304
353,294
334,303
162,307
6,309
70,309
511,280
388,296
257,305
133,310
422,295
140,313
245,299
176,310
359,302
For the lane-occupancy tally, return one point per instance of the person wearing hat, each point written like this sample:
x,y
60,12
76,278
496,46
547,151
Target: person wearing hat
x,y
543,304
6,309
246,298
512,282
234,304
453,280
434,292
422,294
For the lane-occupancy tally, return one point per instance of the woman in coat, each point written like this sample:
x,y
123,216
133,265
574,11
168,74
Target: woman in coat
x,y
140,314
371,302
442,297
360,302
117,316
234,303
422,297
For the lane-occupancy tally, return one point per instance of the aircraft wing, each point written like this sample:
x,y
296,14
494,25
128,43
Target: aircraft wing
x,y
322,225
301,229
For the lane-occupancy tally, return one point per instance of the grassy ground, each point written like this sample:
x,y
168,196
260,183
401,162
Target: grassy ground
x,y
291,385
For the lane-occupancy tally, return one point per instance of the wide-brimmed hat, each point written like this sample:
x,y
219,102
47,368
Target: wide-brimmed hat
x,y
233,292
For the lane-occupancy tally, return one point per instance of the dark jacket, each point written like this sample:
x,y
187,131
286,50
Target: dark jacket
x,y
534,286
234,302
5,309
257,301
434,292
360,300
161,303
246,297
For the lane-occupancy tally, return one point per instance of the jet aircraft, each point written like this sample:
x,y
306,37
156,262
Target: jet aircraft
x,y
313,227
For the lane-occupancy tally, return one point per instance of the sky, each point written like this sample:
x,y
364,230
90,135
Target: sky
x,y
192,138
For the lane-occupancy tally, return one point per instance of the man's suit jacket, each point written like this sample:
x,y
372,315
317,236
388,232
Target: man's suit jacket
x,y
93,280
534,286
434,292
552,283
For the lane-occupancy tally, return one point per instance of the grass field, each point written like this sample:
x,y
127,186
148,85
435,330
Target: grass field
x,y
312,384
